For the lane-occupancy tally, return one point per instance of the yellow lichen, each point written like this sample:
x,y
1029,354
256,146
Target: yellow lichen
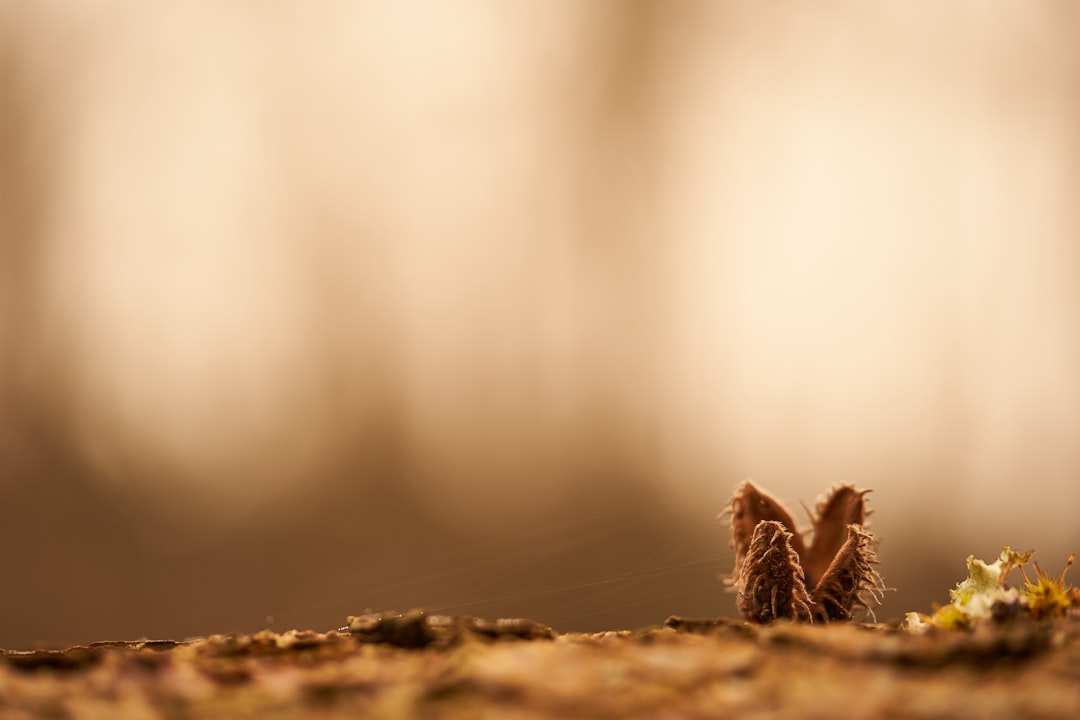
x,y
986,595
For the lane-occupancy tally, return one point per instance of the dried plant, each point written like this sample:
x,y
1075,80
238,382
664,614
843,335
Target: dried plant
x,y
780,575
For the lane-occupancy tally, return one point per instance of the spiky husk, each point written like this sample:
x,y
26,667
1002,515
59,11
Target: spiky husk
x,y
778,574
851,580
770,585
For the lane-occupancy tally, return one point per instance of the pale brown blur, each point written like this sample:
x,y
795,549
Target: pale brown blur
x,y
486,306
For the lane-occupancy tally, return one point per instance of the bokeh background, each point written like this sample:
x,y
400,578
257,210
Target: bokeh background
x,y
485,306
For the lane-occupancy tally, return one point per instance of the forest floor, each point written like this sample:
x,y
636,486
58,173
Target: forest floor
x,y
420,665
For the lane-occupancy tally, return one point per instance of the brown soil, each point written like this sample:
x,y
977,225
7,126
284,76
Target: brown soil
x,y
418,665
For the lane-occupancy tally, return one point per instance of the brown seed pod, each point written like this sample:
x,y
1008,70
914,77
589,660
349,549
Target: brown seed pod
x,y
771,580
779,575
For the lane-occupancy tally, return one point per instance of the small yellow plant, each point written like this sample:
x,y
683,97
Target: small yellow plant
x,y
1049,597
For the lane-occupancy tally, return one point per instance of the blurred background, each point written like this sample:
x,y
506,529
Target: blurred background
x,y
486,306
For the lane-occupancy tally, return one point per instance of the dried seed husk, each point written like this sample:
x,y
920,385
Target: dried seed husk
x,y
845,505
749,506
850,580
771,586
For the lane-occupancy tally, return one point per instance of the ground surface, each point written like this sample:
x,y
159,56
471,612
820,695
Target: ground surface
x,y
416,665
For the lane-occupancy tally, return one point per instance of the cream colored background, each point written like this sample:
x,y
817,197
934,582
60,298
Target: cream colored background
x,y
312,307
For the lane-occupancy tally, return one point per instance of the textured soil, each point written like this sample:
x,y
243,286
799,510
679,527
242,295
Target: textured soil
x,y
418,665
